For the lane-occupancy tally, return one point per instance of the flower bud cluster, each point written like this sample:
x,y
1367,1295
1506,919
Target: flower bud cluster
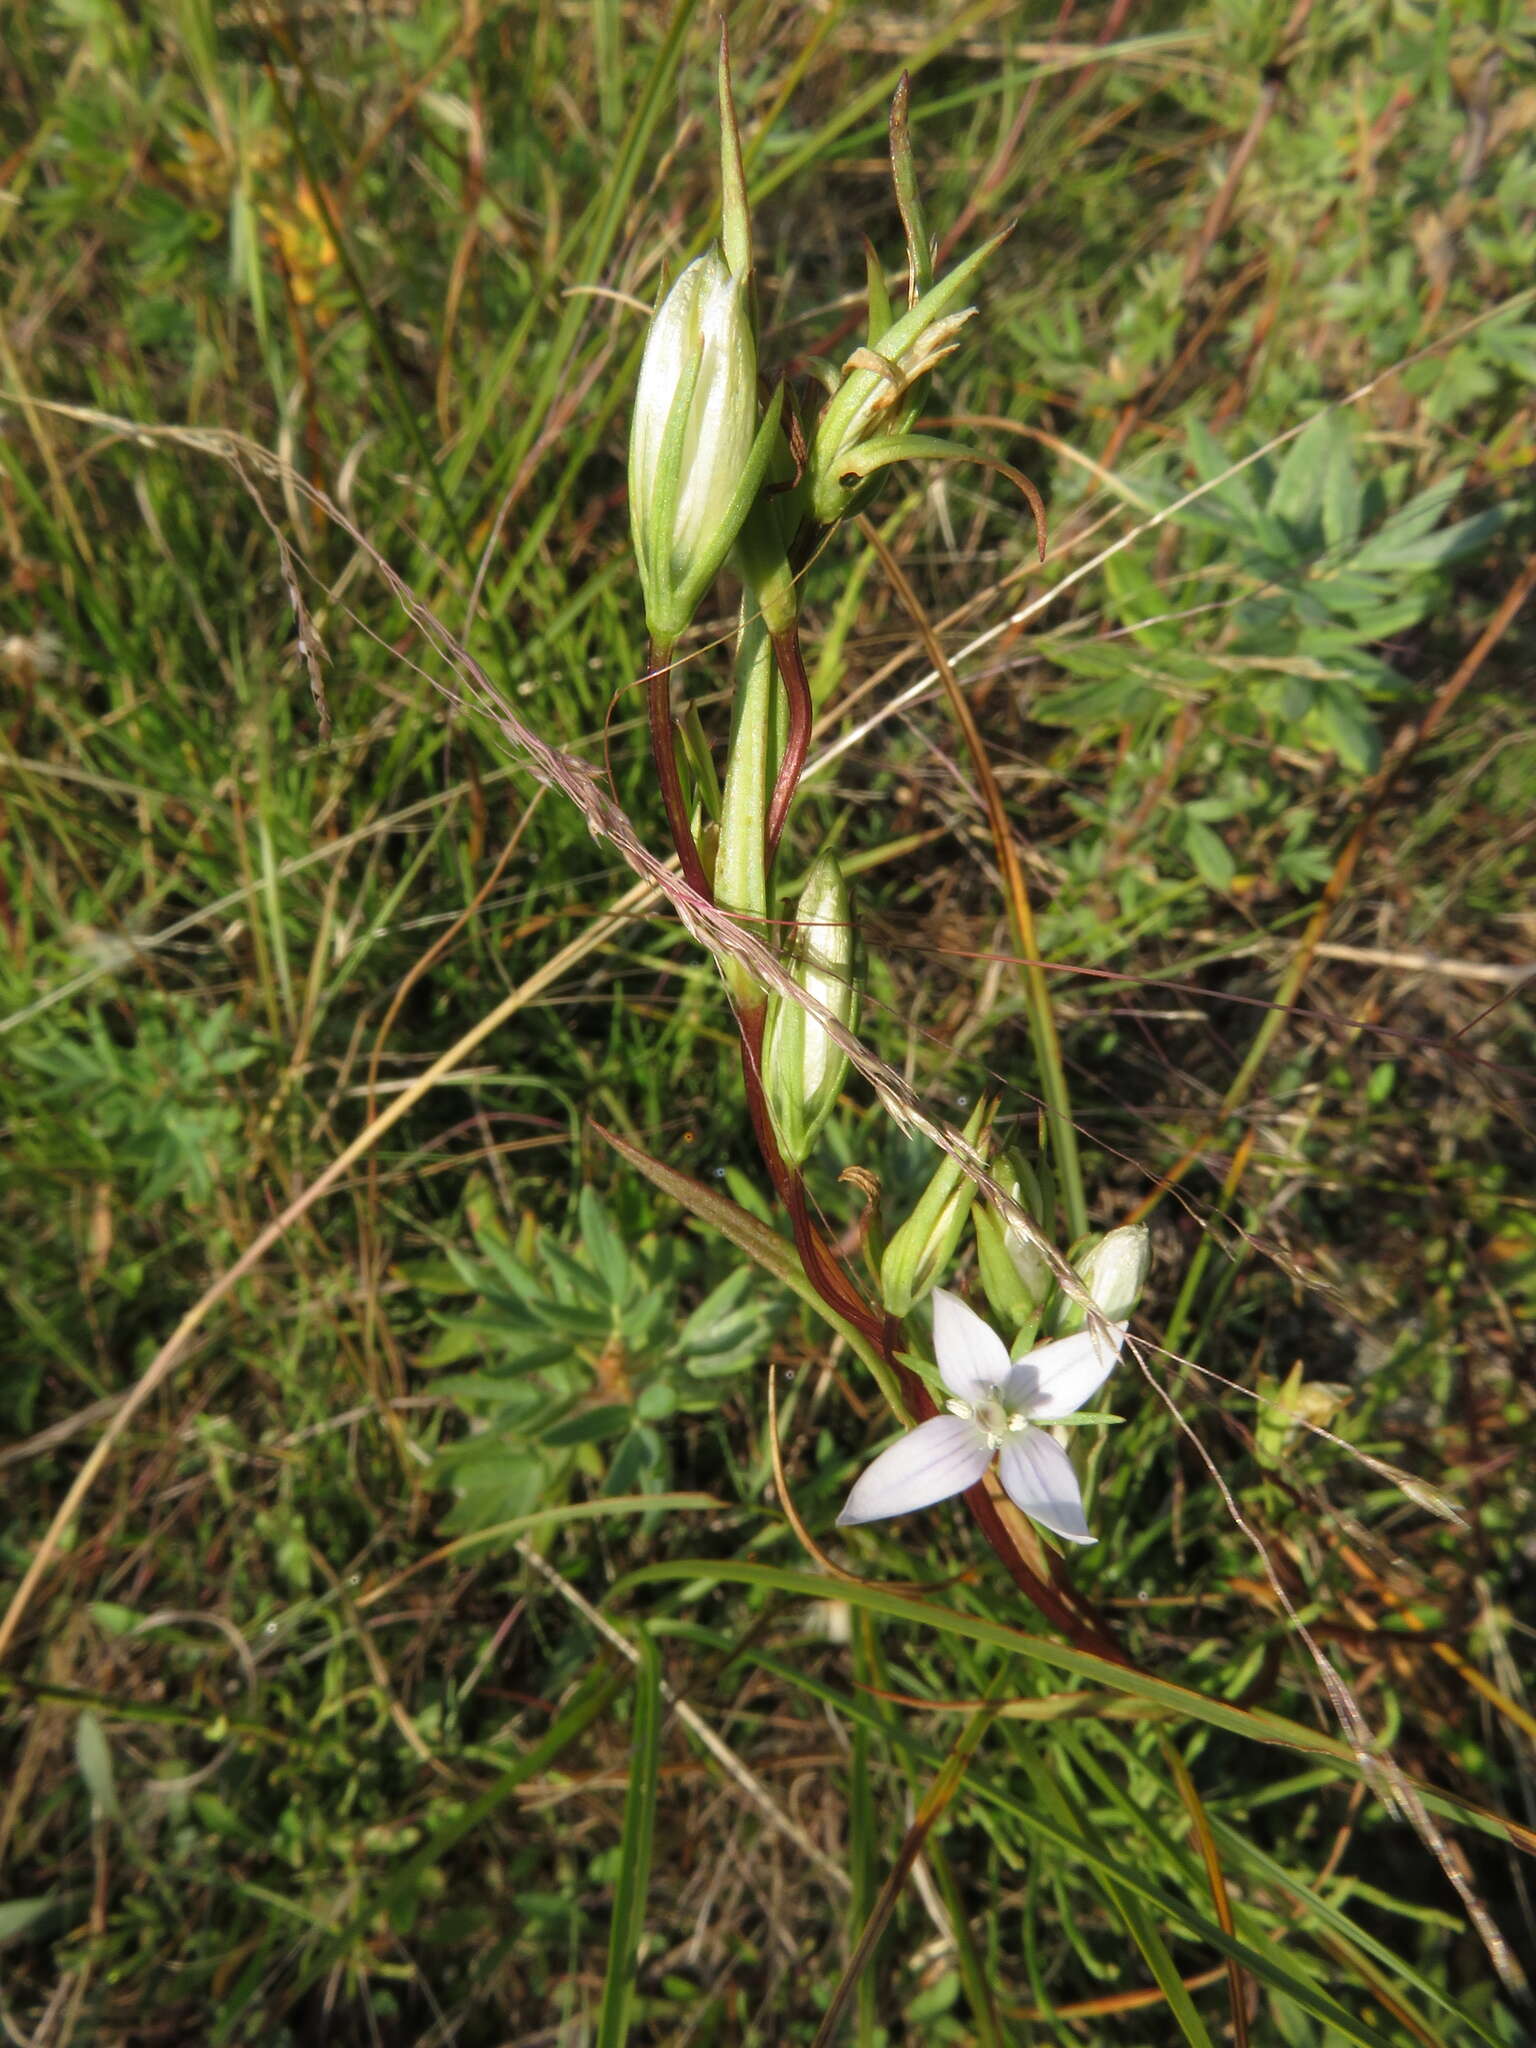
x,y
710,465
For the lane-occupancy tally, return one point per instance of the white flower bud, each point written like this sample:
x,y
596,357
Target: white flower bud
x,y
692,444
1115,1271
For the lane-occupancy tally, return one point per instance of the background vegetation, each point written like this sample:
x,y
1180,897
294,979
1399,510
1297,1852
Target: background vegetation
x,y
295,1752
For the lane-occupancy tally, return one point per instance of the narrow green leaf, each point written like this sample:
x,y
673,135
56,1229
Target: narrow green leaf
x,y
879,297
1138,1921
1255,1954
1246,1855
1341,493
1256,1724
1436,550
1133,1876
1350,730
591,1426
908,199
773,1253
735,210
627,1921
604,1245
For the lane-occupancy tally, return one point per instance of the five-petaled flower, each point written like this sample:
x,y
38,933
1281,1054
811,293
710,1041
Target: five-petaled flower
x,y
993,1408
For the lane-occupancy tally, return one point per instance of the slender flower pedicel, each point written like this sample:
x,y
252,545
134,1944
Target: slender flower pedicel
x,y
993,1407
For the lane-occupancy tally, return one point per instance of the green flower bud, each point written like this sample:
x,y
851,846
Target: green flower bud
x,y
1012,1295
802,1067
867,420
757,747
1114,1271
1014,1271
697,450
919,1253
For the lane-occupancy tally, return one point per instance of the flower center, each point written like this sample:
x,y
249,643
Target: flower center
x,y
990,1417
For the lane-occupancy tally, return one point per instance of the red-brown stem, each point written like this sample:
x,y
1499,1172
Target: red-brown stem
x,y
786,652
751,1023
1072,1615
825,1274
658,697
1063,1608
821,1267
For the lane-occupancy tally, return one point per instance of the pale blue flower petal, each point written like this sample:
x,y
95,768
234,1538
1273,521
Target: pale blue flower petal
x,y
942,1456
972,1358
1058,1379
1037,1477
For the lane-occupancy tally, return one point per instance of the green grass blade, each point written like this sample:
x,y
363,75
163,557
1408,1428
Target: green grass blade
x,y
1138,1922
1254,1723
1256,1955
629,1895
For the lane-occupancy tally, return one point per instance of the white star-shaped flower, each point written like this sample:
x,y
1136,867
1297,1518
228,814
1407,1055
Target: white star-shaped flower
x,y
994,1406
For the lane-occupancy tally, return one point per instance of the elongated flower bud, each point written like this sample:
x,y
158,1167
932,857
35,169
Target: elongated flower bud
x,y
1014,1272
920,1252
697,449
757,746
1114,1271
802,1068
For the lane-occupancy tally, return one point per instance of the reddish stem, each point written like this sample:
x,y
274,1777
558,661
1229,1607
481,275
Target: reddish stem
x,y
658,697
825,1274
1060,1605
821,1266
750,1023
786,652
